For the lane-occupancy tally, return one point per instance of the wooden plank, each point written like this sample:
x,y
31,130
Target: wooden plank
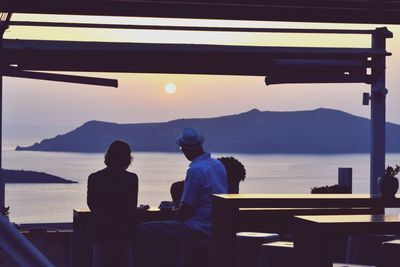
x,y
280,220
185,28
39,45
157,58
344,11
308,200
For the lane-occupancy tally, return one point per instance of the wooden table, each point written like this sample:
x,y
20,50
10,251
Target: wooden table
x,y
269,212
80,247
313,234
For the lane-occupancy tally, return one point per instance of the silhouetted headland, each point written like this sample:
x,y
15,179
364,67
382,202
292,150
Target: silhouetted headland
x,y
315,131
21,176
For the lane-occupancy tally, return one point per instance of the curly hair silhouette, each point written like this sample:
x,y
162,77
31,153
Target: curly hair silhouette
x,y
236,173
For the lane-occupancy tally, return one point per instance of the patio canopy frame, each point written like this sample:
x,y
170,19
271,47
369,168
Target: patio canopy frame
x,y
249,10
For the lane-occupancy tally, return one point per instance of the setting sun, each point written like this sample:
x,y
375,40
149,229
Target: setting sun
x,y
170,88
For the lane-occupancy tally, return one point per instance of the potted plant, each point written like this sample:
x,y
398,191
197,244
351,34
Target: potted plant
x,y
5,211
388,183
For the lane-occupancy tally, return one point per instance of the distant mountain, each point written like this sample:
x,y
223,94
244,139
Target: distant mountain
x,y
316,131
21,176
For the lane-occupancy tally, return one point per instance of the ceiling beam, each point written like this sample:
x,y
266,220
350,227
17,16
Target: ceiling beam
x,y
56,77
165,58
342,11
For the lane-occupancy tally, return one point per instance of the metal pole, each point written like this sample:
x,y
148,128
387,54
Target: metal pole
x,y
378,108
5,20
2,186
2,183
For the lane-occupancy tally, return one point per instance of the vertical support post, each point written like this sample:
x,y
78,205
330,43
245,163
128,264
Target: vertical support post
x,y
223,233
3,27
2,182
5,19
378,108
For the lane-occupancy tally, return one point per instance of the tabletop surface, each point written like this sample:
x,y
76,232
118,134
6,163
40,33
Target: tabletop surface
x,y
298,196
338,219
303,201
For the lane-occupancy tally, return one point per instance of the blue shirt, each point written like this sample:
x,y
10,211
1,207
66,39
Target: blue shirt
x,y
205,176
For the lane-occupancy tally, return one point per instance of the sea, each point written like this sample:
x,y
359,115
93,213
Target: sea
x,y
266,173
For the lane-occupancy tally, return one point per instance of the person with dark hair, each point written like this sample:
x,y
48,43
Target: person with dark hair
x,y
235,171
112,198
205,176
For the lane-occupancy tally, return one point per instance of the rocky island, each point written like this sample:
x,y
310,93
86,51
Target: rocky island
x,y
309,131
22,176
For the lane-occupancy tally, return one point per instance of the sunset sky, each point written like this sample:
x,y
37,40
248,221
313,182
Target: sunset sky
x,y
143,97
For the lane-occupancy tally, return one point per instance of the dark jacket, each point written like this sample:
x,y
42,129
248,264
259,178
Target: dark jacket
x,y
112,198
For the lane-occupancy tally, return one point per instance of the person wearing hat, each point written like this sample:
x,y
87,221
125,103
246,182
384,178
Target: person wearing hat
x,y
236,173
204,177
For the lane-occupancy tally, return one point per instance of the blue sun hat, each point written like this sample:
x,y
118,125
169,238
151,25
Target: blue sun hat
x,y
190,139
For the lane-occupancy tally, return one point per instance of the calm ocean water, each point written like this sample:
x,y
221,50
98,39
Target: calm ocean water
x,y
276,173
